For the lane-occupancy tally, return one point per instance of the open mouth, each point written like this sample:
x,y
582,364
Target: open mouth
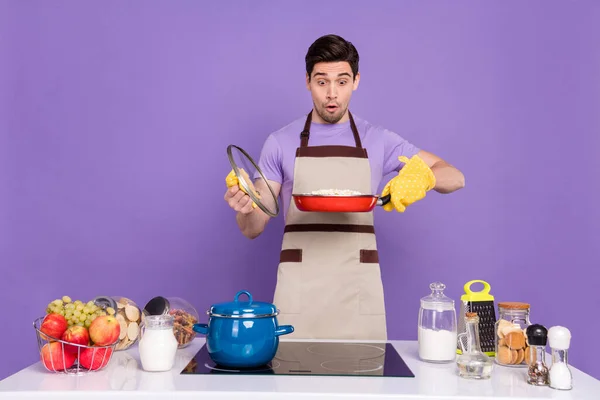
x,y
331,108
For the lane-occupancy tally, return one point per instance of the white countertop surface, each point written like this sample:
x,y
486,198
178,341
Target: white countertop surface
x,y
123,378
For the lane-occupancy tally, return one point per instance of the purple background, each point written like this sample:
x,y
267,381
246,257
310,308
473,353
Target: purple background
x,y
118,115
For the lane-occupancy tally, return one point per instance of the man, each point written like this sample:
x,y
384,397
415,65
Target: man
x,y
328,281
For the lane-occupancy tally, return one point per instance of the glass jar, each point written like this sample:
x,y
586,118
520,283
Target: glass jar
x,y
511,345
184,314
437,326
128,314
158,345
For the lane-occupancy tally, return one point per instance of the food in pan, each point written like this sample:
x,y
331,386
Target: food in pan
x,y
336,192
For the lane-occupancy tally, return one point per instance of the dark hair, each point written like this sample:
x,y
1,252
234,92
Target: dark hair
x,y
331,48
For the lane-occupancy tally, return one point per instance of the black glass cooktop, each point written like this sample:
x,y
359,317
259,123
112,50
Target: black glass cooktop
x,y
316,358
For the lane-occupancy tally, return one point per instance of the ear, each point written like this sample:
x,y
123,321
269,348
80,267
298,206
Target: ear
x,y
307,81
356,81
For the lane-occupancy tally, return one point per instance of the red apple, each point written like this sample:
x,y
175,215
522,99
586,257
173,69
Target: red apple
x,y
76,335
53,325
94,358
55,359
104,330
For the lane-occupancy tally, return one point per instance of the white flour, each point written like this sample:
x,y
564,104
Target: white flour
x,y
437,345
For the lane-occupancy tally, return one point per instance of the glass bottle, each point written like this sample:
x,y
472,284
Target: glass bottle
x,y
437,326
537,372
158,345
511,345
559,339
473,363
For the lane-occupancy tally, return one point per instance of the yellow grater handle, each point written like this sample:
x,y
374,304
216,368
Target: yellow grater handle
x,y
482,295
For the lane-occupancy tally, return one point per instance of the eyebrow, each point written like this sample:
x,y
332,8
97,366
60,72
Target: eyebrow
x,y
324,74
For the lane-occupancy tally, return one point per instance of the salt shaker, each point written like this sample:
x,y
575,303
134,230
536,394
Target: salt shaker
x,y
537,373
559,339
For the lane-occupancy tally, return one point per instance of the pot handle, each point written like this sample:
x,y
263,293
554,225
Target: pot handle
x,y
201,328
382,201
284,330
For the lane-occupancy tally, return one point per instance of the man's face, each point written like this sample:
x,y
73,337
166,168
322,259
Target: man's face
x,y
331,86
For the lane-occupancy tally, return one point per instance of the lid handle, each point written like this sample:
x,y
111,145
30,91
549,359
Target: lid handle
x,y
485,290
237,295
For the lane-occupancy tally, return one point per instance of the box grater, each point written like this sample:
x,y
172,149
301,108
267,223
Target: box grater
x,y
482,303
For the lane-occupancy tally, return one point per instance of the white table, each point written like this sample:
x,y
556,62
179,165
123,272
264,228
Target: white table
x,y
124,379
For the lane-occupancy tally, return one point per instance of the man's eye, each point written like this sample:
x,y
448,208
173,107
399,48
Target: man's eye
x,y
321,82
342,82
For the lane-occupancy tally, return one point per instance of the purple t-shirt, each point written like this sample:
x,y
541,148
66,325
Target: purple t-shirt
x,y
383,148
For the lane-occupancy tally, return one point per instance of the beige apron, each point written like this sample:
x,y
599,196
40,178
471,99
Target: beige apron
x,y
329,281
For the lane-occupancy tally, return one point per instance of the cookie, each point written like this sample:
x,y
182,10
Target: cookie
x,y
504,355
515,340
520,356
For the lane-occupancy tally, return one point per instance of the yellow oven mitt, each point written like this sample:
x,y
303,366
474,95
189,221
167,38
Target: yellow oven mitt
x,y
232,180
414,180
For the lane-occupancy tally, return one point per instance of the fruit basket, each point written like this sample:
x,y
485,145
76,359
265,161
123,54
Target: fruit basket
x,y
65,354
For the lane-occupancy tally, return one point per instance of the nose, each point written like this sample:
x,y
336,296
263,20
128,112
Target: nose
x,y
332,92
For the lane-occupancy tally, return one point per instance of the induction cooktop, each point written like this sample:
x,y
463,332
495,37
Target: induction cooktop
x,y
316,358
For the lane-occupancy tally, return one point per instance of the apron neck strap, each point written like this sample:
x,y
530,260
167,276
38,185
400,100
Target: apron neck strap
x,y
304,135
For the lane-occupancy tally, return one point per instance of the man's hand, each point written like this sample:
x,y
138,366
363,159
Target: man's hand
x,y
239,201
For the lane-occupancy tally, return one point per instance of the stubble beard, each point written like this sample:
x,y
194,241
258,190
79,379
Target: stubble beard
x,y
330,118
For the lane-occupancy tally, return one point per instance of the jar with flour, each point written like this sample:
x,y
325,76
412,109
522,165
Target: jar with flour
x,y
437,333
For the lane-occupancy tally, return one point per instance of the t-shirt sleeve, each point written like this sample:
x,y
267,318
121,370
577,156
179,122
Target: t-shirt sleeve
x,y
395,146
271,160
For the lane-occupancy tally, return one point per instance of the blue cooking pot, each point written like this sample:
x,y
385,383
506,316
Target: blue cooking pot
x,y
242,334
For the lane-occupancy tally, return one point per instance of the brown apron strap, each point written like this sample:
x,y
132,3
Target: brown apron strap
x,y
304,135
329,228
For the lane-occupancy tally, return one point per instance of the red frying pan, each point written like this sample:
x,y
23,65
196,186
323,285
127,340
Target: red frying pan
x,y
338,203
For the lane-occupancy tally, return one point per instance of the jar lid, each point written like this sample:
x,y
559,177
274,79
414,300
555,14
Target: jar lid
x,y
513,305
158,305
243,309
437,299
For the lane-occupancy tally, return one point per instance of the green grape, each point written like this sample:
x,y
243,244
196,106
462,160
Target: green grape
x,y
77,313
79,307
66,299
90,303
68,314
79,324
94,316
85,310
94,308
87,323
78,302
57,302
82,317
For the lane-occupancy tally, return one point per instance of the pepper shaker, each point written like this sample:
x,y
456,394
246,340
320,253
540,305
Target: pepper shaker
x,y
537,371
560,375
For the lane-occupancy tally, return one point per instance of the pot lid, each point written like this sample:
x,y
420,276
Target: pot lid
x,y
243,309
252,181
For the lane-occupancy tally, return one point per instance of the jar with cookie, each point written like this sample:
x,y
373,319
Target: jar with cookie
x,y
511,334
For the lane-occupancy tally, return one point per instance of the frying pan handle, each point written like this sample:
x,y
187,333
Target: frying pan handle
x,y
382,201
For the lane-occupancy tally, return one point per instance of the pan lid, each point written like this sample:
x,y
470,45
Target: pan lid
x,y
252,180
243,309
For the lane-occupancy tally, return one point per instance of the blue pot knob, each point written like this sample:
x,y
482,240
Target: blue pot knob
x,y
237,295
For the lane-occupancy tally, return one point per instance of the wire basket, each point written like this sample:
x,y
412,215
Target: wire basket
x,y
70,358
